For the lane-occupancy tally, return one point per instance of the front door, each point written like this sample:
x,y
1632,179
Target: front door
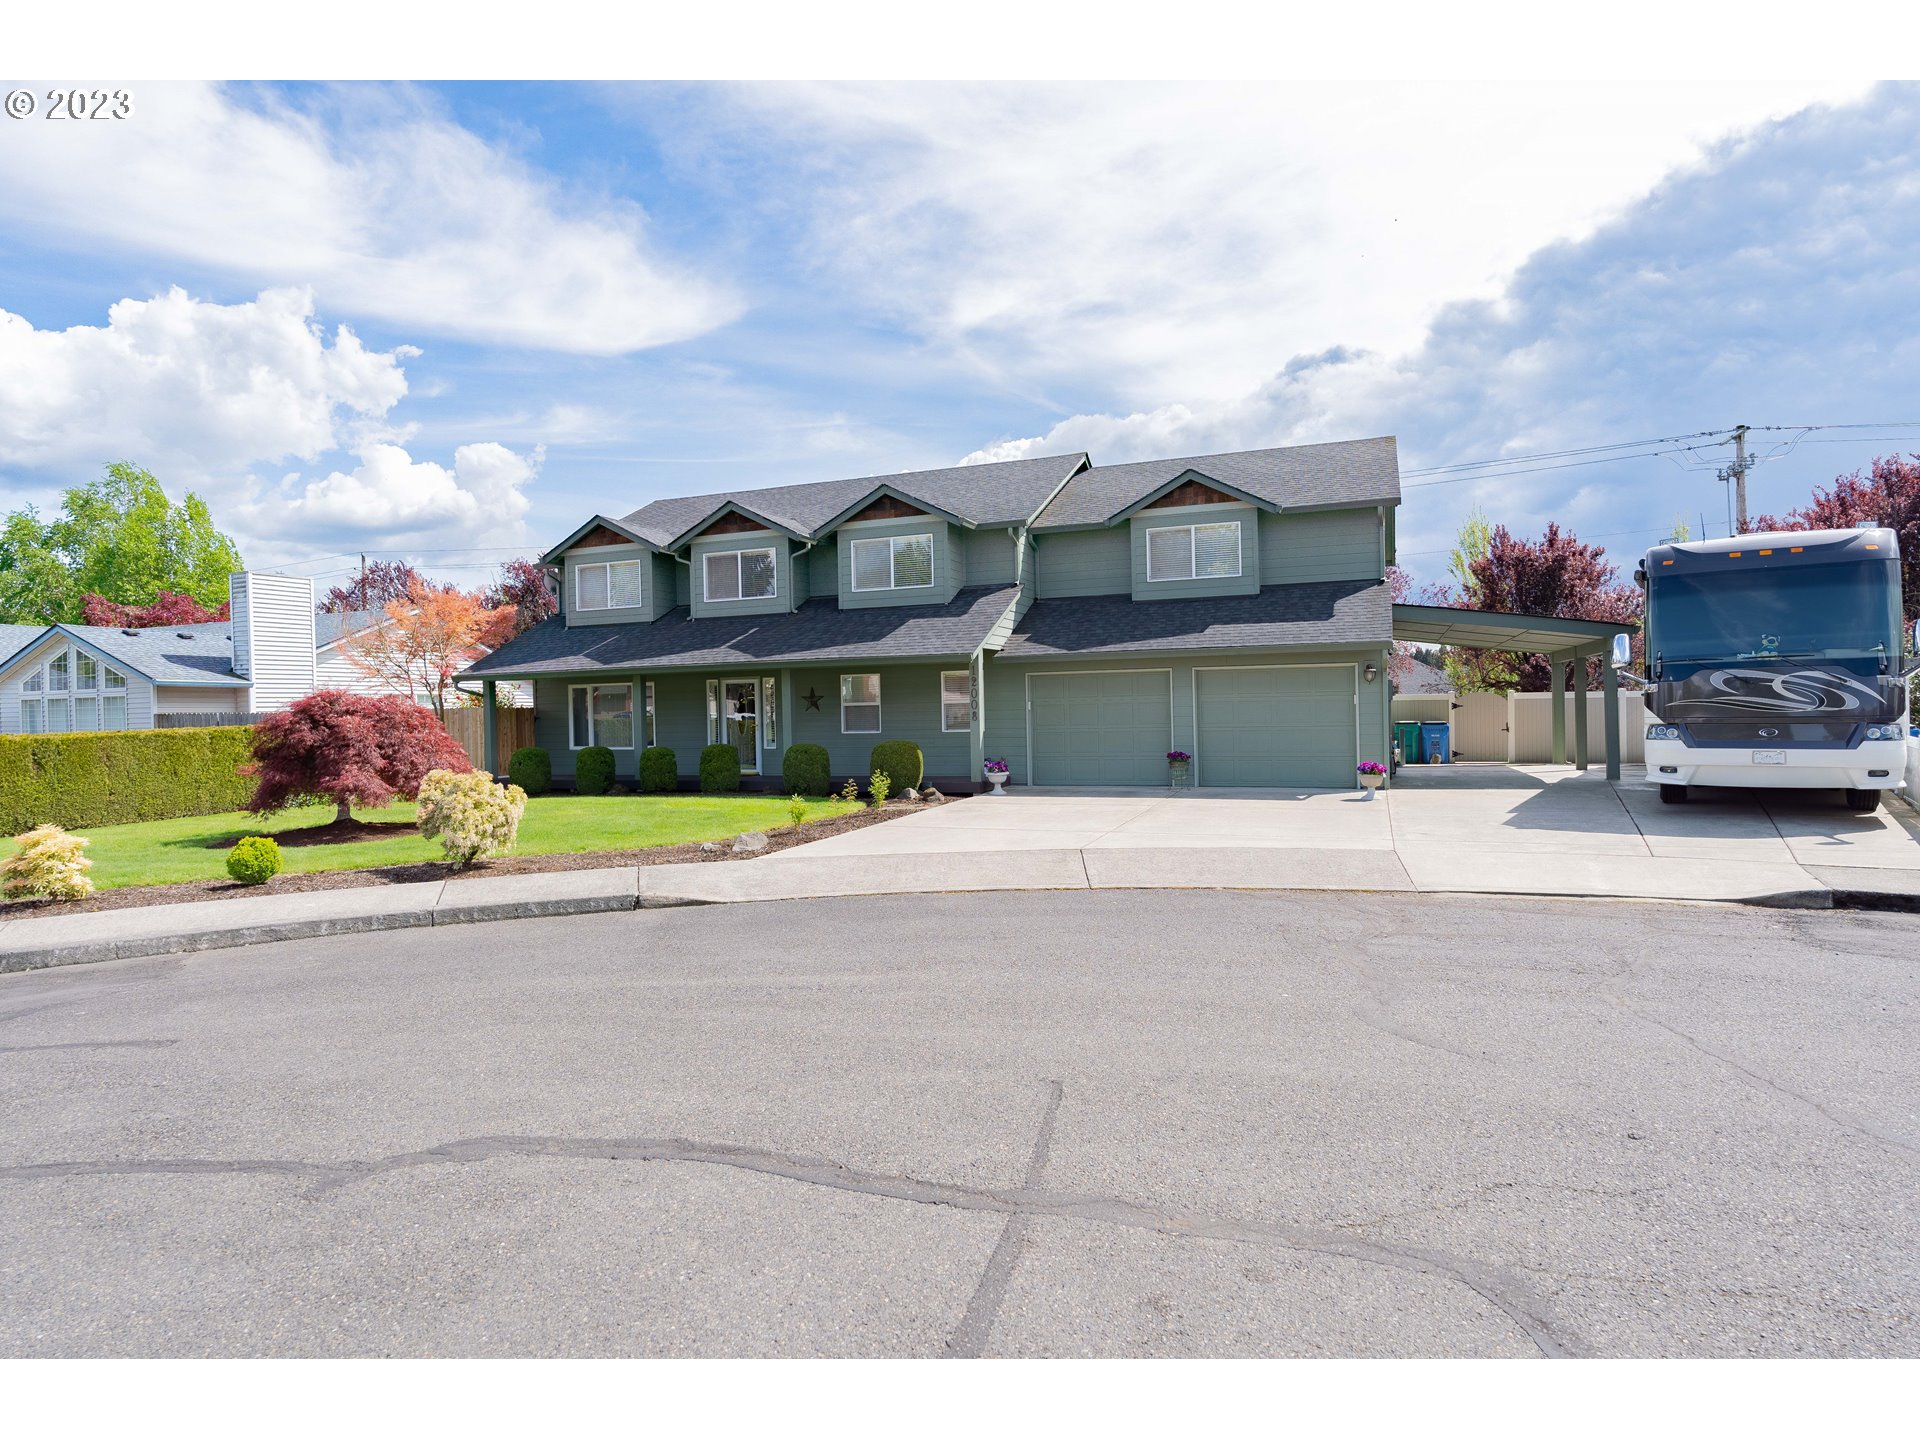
x,y
740,711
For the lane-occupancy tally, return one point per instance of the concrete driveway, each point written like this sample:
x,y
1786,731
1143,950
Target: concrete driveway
x,y
1546,830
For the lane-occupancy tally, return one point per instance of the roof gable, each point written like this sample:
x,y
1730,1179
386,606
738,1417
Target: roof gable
x,y
615,532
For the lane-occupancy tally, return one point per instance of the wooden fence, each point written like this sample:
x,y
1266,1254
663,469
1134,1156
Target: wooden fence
x,y
191,719
1517,728
513,730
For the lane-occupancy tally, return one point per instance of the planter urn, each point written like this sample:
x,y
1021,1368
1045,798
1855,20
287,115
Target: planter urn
x,y
1179,774
997,779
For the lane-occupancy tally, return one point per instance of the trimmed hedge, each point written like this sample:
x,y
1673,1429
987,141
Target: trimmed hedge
x,y
807,770
531,768
900,761
659,770
593,771
720,769
113,777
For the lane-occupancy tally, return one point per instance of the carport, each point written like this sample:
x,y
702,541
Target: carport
x,y
1564,643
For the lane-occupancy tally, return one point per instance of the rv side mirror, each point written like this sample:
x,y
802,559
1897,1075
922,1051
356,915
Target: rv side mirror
x,y
1916,637
1623,648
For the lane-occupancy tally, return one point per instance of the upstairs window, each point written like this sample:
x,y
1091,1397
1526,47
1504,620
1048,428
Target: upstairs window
x,y
57,675
86,674
115,680
740,575
606,585
899,562
1194,552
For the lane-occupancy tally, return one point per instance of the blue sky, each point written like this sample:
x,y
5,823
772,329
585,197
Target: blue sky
x,y
450,322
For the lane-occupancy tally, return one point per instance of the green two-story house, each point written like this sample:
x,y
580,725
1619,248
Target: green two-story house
x,y
1078,621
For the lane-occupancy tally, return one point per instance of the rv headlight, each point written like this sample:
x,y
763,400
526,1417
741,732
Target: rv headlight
x,y
1883,732
1663,732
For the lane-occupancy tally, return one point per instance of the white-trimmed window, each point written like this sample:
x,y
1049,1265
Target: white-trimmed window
x,y
57,715
956,700
57,674
34,683
33,720
647,719
86,673
606,585
859,704
115,680
113,711
600,715
896,562
1194,552
740,574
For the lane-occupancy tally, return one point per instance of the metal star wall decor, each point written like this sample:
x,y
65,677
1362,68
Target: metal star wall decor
x,y
813,698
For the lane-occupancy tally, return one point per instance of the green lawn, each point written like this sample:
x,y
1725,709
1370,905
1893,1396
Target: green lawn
x,y
161,852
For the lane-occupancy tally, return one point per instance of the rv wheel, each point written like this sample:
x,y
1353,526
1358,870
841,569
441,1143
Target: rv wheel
x,y
1674,794
1864,801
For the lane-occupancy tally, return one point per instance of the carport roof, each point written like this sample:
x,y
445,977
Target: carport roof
x,y
1498,630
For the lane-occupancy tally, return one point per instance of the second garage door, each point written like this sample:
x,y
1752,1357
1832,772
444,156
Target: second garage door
x,y
1286,726
1106,728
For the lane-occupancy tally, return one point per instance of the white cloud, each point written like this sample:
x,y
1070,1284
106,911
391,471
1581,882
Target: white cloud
x,y
1768,284
178,383
382,205
1174,239
393,497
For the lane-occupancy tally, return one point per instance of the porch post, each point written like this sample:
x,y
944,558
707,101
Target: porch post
x,y
489,730
787,720
1610,719
977,726
1580,748
1558,691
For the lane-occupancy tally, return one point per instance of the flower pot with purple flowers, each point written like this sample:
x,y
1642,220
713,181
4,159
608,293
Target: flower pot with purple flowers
x,y
996,773
1372,775
1179,769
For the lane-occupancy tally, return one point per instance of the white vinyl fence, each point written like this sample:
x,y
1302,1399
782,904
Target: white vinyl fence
x,y
1517,727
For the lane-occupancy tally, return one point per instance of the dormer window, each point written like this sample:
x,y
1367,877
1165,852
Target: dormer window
x,y
740,575
607,585
899,562
1194,552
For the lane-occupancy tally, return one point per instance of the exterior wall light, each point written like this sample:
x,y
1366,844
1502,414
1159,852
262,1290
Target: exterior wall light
x,y
1371,673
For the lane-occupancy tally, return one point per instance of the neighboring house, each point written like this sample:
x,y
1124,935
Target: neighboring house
x,y
1079,621
1422,679
274,650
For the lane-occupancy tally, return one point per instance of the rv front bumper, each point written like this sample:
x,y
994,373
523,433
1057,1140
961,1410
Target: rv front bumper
x,y
1871,765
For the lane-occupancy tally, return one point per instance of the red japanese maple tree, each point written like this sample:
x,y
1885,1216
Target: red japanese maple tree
x,y
523,585
1888,494
1554,575
167,608
351,749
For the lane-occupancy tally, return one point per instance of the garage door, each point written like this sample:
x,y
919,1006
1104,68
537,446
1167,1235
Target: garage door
x,y
1112,728
1287,726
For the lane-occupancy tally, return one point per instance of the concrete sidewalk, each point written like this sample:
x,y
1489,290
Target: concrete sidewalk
x,y
1512,831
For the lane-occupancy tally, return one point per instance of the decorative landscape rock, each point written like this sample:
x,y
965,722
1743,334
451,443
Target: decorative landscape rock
x,y
911,794
931,796
709,847
750,842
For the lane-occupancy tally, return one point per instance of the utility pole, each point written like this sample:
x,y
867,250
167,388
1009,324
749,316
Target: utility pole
x,y
363,583
1737,473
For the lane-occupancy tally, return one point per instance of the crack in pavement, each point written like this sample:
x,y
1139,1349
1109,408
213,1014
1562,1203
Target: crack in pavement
x,y
1847,1123
969,1338
91,1045
1481,1192
1376,999
1508,1293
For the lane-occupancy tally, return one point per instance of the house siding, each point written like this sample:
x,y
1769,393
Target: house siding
x,y
992,556
823,567
949,563
1006,695
1083,562
781,600
600,555
1321,545
273,624
909,710
1247,582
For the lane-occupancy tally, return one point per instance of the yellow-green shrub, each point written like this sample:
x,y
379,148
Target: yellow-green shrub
x,y
50,864
254,860
473,817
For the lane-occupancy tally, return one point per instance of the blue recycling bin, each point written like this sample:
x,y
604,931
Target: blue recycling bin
x,y
1436,743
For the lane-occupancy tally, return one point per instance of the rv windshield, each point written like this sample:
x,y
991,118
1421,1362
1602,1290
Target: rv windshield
x,y
1822,612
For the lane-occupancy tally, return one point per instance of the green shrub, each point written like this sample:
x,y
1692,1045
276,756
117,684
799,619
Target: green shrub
x,y
593,771
900,761
112,777
531,768
719,770
880,786
807,770
255,860
659,770
797,810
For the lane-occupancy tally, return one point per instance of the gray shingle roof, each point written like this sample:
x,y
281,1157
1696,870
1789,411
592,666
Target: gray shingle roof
x,y
818,631
1422,679
1005,493
170,654
1345,472
15,638
1329,612
328,627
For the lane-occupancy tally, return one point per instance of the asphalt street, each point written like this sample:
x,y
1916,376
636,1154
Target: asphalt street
x,y
1177,1123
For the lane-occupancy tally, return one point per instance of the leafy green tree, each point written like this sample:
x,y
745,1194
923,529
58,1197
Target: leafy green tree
x,y
119,537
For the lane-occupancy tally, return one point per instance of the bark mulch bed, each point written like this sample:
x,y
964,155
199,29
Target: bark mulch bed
x,y
784,838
